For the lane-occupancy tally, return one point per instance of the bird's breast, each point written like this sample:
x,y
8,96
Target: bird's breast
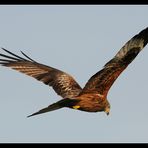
x,y
90,103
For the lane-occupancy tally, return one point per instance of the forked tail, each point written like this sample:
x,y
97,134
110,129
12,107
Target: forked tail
x,y
60,104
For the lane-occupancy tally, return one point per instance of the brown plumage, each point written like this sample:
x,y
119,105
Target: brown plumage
x,y
93,97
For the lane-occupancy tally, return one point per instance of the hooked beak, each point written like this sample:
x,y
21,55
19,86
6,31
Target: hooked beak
x,y
107,111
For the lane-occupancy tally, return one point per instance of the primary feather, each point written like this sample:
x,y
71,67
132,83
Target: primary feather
x,y
63,84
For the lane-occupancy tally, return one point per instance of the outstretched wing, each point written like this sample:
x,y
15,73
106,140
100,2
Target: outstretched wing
x,y
63,84
103,80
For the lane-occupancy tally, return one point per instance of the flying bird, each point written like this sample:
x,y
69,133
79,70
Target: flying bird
x,y
91,98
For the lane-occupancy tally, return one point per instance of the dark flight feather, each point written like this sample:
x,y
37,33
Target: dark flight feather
x,y
103,80
63,84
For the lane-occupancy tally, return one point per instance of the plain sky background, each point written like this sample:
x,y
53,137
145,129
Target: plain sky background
x,y
78,40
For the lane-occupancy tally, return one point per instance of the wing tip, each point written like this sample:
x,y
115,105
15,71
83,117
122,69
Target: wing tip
x,y
143,35
16,57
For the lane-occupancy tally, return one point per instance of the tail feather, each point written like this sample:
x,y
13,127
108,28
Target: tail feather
x,y
52,107
60,104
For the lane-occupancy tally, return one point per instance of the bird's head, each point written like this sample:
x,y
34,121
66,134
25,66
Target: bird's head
x,y
107,108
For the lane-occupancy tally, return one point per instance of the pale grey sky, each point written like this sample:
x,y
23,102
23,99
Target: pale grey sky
x,y
78,40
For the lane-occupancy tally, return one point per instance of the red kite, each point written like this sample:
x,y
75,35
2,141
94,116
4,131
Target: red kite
x,y
93,97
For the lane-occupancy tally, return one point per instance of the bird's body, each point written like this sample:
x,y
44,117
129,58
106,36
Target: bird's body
x,y
93,97
91,102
